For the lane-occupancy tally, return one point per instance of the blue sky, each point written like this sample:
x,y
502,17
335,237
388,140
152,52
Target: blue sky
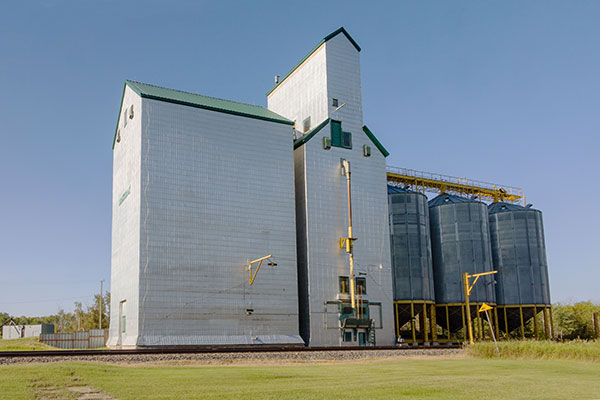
x,y
505,91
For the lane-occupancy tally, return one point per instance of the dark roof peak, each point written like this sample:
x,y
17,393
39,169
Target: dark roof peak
x,y
337,32
325,39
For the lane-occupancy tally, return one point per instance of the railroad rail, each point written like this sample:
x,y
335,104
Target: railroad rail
x,y
212,349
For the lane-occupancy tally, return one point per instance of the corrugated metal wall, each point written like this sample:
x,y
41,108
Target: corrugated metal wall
x,y
217,192
519,253
411,245
460,241
92,339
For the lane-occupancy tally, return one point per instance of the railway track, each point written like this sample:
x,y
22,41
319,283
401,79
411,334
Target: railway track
x,y
212,350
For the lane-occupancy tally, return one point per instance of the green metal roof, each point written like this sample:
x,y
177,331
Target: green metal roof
x,y
309,135
326,38
376,142
204,102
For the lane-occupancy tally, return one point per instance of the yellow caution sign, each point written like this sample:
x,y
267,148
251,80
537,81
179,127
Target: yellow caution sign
x,y
485,307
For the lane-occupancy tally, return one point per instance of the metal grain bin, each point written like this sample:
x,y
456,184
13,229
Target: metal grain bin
x,y
519,255
460,242
412,269
411,245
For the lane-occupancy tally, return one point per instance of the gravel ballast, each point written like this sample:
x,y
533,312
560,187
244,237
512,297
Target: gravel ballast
x,y
244,357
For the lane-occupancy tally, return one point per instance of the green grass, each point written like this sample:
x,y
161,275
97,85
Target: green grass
x,y
546,350
462,379
24,344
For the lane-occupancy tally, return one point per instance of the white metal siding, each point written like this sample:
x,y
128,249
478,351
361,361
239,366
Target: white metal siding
x,y
125,258
327,221
304,92
343,82
321,206
217,192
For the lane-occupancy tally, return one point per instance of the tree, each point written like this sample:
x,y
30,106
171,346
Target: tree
x,y
83,318
574,321
88,317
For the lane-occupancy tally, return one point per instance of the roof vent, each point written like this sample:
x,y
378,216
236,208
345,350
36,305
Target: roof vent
x,y
529,205
277,79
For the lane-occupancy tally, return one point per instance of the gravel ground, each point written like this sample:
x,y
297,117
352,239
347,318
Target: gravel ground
x,y
248,358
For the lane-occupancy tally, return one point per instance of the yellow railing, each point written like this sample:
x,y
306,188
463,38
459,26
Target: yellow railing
x,y
440,183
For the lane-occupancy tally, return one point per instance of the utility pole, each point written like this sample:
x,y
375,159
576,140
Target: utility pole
x,y
101,301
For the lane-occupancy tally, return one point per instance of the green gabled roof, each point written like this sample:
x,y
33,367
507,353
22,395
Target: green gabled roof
x,y
198,101
376,142
310,134
326,38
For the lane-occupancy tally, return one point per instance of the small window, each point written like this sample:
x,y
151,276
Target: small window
x,y
367,151
338,137
346,310
361,286
347,140
326,143
344,285
334,102
306,124
347,336
336,133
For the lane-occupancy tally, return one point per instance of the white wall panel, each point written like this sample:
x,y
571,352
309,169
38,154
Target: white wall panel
x,y
321,207
217,192
125,247
326,222
343,82
304,93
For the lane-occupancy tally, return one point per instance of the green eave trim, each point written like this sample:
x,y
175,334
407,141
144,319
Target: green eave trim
x,y
203,102
376,142
296,67
310,134
330,36
205,107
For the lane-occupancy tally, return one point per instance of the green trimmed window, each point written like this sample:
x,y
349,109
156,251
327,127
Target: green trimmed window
x,y
340,138
347,336
344,284
361,286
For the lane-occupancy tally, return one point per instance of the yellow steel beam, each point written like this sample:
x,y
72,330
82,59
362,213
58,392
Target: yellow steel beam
x,y
255,272
426,181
